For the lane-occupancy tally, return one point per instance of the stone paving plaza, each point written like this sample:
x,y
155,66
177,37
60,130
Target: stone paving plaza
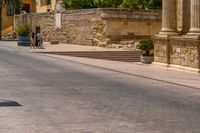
x,y
60,94
45,93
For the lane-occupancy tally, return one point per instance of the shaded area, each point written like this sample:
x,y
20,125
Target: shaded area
x,y
7,103
125,56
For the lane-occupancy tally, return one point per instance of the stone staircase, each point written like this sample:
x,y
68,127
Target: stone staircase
x,y
125,56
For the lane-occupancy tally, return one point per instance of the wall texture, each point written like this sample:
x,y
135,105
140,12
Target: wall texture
x,y
7,21
98,27
178,51
115,25
76,28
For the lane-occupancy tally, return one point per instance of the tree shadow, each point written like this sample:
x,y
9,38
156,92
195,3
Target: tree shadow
x,y
7,103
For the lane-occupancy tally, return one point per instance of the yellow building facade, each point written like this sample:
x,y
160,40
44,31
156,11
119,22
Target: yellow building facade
x,y
45,5
30,6
8,15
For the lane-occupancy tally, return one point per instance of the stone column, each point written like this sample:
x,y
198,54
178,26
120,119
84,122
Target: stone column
x,y
38,3
185,13
195,17
169,18
180,17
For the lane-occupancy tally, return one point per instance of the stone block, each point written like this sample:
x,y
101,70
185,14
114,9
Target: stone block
x,y
184,50
182,56
176,61
190,57
54,42
156,59
164,48
164,60
184,62
194,65
178,50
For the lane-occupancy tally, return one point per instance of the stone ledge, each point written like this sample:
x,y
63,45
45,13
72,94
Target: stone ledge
x,y
132,14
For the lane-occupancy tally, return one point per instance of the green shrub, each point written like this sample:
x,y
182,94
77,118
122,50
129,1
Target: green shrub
x,y
24,30
146,46
107,3
142,4
135,4
78,4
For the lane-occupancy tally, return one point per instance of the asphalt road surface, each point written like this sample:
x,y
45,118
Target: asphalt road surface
x,y
40,94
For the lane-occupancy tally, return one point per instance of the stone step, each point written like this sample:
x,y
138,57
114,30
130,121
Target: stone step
x,y
126,56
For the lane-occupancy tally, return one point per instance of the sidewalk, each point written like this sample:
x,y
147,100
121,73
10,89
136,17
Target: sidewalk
x,y
58,48
152,72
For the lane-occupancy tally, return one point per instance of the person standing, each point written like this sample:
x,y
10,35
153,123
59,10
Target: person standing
x,y
32,40
40,41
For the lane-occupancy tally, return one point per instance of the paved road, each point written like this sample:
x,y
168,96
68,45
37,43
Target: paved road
x,y
41,94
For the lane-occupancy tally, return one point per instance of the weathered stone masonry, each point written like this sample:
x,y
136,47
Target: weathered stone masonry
x,y
177,51
115,25
99,27
76,27
178,43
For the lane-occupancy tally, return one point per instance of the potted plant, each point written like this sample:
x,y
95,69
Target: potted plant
x,y
24,35
146,47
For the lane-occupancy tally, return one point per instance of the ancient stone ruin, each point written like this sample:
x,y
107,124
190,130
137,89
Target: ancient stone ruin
x,y
178,43
107,27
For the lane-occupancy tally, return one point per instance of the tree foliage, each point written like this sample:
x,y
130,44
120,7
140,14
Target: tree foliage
x,y
142,4
107,3
78,4
136,4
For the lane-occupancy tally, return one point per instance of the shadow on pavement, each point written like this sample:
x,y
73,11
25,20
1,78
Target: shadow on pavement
x,y
6,103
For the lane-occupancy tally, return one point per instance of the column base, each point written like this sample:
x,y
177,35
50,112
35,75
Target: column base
x,y
194,32
166,34
167,31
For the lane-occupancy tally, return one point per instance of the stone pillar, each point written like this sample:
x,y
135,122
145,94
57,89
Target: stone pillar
x,y
169,18
185,13
180,17
195,17
38,2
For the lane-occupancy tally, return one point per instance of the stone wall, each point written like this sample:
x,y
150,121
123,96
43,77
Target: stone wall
x,y
76,28
178,43
178,51
99,27
117,25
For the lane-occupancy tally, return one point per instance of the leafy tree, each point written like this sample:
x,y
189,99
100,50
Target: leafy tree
x,y
5,3
155,4
142,4
135,4
129,4
107,3
78,4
